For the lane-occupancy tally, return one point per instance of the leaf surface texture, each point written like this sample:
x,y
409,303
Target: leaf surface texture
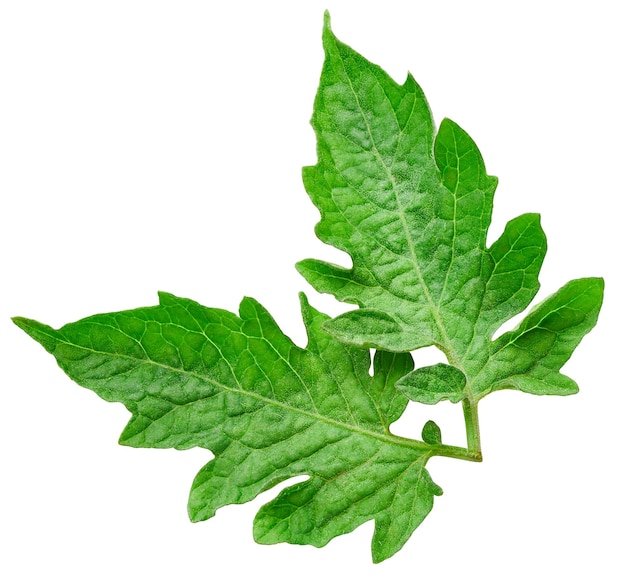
x,y
268,410
412,206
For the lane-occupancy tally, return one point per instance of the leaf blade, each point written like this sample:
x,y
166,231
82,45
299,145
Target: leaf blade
x,y
530,357
267,409
429,385
415,226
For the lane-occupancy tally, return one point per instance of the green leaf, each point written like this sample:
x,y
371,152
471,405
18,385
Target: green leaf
x,y
429,385
412,206
269,411
529,357
431,433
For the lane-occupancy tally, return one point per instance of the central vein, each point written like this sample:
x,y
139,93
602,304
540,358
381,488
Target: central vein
x,y
445,339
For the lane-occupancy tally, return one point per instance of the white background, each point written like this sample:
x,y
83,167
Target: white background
x,y
157,146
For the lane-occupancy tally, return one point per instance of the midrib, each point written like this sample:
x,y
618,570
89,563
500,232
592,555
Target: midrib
x,y
447,348
389,438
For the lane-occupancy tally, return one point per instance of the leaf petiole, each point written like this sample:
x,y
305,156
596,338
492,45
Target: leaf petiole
x,y
472,429
457,452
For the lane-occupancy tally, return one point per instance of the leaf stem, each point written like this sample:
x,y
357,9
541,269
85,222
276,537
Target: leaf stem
x,y
457,452
472,452
472,429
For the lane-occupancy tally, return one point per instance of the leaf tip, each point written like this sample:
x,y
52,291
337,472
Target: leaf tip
x,y
378,558
250,308
327,21
410,83
448,123
301,266
164,297
327,32
598,283
198,512
19,321
36,330
303,298
592,286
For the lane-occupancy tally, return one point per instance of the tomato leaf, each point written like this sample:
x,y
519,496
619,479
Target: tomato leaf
x,y
268,410
412,207
431,433
434,383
